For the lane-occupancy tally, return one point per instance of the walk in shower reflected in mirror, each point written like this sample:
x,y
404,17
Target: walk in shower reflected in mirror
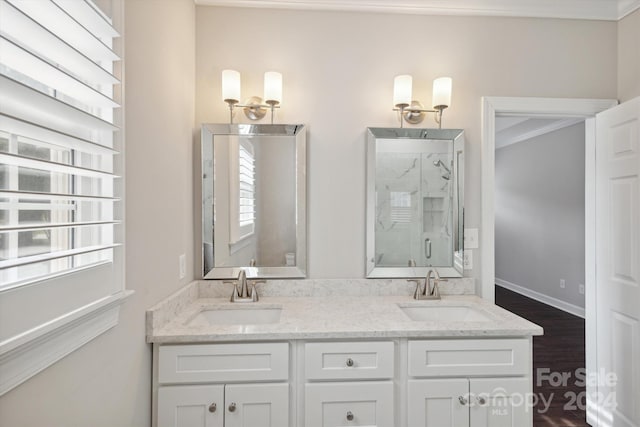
x,y
414,202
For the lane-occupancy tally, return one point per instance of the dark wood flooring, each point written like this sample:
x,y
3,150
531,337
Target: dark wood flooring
x,y
560,350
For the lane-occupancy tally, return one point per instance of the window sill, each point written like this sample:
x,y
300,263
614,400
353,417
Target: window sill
x,y
241,243
24,355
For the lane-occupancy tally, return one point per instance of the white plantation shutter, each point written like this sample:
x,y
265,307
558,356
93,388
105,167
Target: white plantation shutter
x,y
246,197
242,193
60,155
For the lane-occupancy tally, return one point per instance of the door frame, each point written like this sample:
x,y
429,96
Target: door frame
x,y
544,107
532,107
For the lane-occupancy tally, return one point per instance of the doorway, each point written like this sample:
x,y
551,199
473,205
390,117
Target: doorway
x,y
539,253
539,209
542,108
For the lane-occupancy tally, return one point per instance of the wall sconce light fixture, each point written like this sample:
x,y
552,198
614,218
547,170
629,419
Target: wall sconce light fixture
x,y
254,108
413,111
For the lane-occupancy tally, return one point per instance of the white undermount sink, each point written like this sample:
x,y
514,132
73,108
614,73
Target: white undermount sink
x,y
237,316
449,313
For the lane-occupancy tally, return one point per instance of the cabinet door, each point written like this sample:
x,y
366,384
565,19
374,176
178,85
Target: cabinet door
x,y
349,404
257,405
438,403
191,406
500,402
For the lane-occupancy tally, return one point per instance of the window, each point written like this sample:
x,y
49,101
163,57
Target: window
x,y
60,161
242,179
400,202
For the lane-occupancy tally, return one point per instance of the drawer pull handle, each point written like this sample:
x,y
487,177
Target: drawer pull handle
x,y
232,407
462,400
213,407
350,362
349,416
481,400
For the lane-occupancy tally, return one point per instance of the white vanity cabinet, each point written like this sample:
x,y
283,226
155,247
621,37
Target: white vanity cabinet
x,y
223,385
475,383
349,384
230,405
401,382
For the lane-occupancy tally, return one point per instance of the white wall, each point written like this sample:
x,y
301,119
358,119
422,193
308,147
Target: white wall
x,y
275,199
107,383
539,202
338,72
629,57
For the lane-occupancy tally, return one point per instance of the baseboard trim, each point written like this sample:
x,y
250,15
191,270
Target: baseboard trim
x,y
545,299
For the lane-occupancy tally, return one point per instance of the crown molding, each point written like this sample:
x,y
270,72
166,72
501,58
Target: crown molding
x,y
542,130
604,10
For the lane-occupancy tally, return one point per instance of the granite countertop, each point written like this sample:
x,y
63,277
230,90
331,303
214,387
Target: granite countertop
x,y
177,320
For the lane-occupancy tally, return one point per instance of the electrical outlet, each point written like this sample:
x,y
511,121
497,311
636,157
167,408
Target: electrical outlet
x,y
182,262
562,284
468,259
471,238
581,288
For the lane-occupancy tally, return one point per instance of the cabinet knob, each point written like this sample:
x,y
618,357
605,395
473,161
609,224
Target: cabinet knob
x,y
213,407
462,400
350,416
481,400
350,362
232,407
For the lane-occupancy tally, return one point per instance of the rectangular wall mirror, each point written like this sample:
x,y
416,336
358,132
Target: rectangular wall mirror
x,y
254,201
415,202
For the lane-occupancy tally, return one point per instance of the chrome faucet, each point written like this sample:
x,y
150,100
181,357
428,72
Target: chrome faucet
x,y
244,293
428,291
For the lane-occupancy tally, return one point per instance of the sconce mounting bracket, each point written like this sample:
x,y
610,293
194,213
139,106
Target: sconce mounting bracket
x,y
254,108
414,113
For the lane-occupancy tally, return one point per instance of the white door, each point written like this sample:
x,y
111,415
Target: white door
x,y
439,403
618,263
257,405
191,406
500,402
349,404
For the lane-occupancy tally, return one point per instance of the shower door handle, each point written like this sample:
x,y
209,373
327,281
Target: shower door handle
x,y
427,248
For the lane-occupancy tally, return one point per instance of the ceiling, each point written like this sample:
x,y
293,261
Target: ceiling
x,y
511,130
608,10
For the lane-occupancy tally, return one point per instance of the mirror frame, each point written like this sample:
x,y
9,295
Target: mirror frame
x,y
297,131
456,136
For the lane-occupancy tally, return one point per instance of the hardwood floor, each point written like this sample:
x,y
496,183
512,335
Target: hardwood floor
x,y
560,350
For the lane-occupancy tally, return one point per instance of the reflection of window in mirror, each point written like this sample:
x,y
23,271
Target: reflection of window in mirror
x,y
401,207
242,185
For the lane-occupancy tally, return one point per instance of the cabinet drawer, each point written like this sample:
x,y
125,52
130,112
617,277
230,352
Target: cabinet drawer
x,y
349,404
468,358
223,363
349,360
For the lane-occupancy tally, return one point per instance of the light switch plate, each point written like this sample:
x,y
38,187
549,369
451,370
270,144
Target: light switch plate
x,y
471,238
182,261
468,259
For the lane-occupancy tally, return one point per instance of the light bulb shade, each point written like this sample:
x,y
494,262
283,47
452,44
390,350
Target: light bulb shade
x,y
230,85
273,86
442,92
402,89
